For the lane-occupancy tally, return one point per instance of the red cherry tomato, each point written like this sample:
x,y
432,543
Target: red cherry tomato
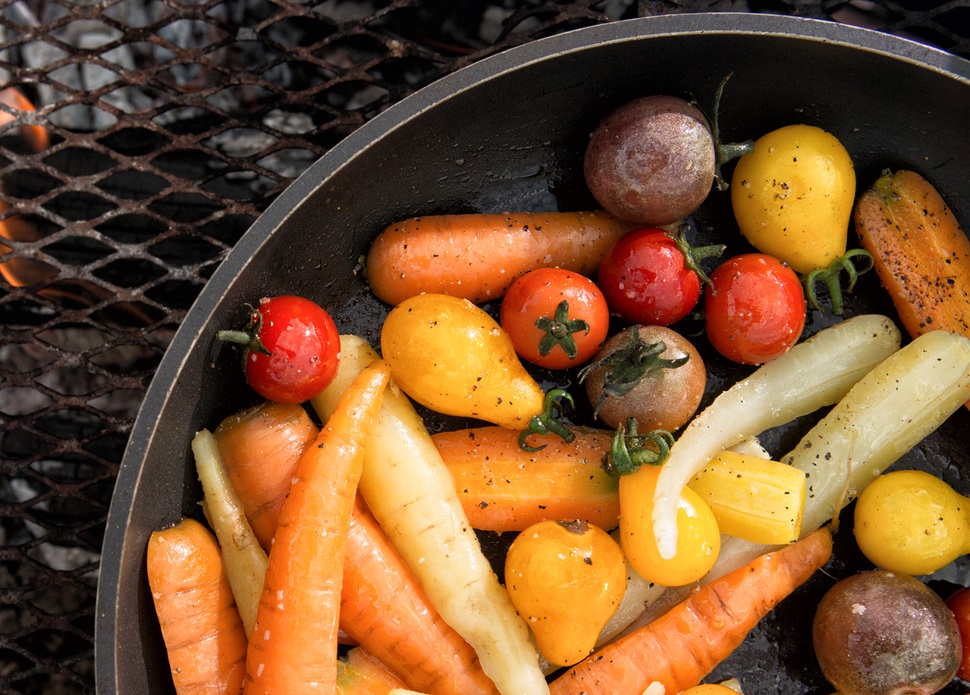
x,y
555,318
754,309
645,279
959,604
301,349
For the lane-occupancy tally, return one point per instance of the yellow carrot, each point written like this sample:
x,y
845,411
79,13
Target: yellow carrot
x,y
409,490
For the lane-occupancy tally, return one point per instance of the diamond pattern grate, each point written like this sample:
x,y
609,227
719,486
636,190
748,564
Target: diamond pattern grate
x,y
161,130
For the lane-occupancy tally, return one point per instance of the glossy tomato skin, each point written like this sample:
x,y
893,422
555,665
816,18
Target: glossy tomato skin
x,y
536,296
646,279
304,350
754,308
959,604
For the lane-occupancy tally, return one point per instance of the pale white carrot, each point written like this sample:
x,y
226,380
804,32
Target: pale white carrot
x,y
411,493
814,373
244,558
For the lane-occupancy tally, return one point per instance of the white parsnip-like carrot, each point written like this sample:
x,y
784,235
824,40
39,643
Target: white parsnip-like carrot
x,y
814,373
409,490
242,554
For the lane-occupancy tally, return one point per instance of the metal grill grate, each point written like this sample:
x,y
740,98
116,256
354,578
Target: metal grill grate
x,y
162,128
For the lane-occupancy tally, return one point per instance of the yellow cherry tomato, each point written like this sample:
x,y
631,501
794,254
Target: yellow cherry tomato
x,y
793,195
565,579
698,536
911,522
451,356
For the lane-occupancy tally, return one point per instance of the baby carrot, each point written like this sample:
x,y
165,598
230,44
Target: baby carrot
x,y
260,448
477,256
682,646
412,495
360,673
385,611
201,628
504,488
920,253
293,647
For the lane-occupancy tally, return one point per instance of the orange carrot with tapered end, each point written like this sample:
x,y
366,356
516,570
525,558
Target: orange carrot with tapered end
x,y
477,256
384,610
293,646
505,488
360,673
919,252
202,630
260,448
685,644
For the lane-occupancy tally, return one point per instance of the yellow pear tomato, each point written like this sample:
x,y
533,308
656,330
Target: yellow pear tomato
x,y
911,522
793,194
566,579
451,356
698,535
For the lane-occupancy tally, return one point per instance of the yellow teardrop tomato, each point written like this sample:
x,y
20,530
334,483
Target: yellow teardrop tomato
x,y
911,522
793,195
698,535
452,357
566,579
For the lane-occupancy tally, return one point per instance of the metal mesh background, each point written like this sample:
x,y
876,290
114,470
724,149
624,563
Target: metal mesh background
x,y
166,126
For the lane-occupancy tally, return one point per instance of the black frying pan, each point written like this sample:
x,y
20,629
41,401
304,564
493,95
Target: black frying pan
x,y
505,133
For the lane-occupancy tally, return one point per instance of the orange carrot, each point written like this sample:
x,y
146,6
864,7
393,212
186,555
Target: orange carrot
x,y
383,608
260,448
203,633
477,256
504,488
920,253
293,647
685,644
360,673
385,611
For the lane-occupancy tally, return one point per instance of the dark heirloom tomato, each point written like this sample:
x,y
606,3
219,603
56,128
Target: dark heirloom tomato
x,y
646,279
292,349
555,318
754,309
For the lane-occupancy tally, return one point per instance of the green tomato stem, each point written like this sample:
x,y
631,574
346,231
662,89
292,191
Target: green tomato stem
x,y
559,331
693,255
546,421
724,153
248,336
629,365
831,277
629,450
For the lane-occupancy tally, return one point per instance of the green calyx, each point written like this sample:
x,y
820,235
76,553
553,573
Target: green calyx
x,y
248,336
546,421
629,365
831,278
725,152
559,331
693,255
630,450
